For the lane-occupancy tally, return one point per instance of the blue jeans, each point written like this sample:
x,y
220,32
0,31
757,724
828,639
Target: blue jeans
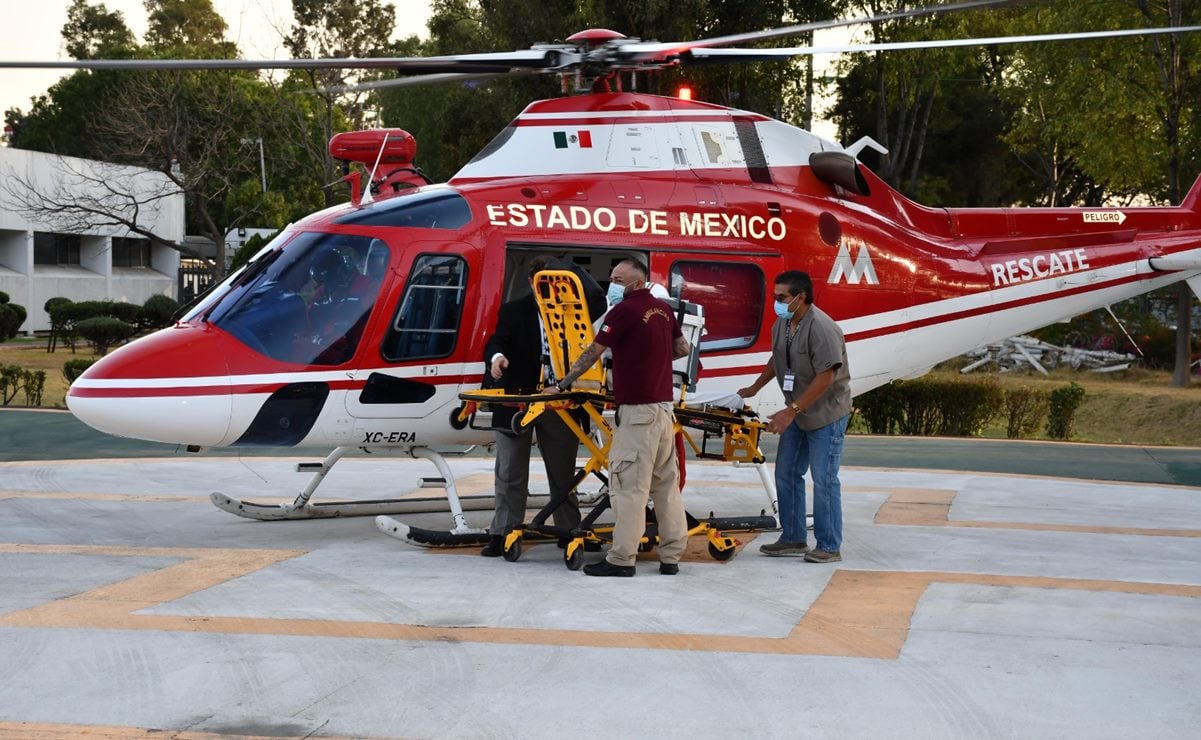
x,y
819,451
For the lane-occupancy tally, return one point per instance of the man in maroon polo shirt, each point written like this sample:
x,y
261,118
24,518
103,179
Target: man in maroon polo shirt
x,y
644,337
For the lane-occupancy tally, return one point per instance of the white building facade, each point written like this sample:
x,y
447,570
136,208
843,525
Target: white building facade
x,y
73,255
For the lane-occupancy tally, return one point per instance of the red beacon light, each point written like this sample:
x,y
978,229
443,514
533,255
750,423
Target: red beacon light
x,y
684,92
375,149
382,145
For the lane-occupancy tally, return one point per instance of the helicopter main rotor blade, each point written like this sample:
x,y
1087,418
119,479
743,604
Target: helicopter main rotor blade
x,y
548,58
544,57
758,55
648,51
427,79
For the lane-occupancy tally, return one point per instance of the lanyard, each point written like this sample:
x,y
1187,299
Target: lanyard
x,y
788,337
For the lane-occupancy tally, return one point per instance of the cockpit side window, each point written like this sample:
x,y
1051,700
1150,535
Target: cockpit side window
x,y
311,302
427,321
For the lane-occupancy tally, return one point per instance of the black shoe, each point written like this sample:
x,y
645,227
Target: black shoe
x,y
495,547
669,569
605,568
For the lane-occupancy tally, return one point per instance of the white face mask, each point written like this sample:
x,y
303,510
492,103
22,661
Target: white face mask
x,y
782,310
615,294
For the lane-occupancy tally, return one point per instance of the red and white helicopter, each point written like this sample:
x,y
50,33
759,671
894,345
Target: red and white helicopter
x,y
358,327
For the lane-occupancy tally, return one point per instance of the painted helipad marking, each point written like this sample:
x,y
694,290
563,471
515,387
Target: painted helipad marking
x,y
860,614
929,507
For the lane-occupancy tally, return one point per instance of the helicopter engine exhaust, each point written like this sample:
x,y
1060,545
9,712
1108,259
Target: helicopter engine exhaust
x,y
841,169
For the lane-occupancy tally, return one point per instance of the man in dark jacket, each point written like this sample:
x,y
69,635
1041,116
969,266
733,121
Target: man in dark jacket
x,y
513,356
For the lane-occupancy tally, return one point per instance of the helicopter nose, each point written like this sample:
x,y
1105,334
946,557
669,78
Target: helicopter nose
x,y
172,386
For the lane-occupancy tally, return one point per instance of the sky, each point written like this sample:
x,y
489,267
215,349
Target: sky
x,y
256,26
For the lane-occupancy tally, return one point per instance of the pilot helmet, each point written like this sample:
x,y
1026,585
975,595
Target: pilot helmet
x,y
333,268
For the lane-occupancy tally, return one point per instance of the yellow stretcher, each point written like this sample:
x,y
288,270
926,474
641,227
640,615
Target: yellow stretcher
x,y
569,332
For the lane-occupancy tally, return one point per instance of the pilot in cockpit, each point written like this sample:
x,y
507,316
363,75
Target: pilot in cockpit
x,y
334,308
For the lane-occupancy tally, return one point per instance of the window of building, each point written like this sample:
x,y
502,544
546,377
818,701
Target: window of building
x,y
427,321
131,252
55,249
733,297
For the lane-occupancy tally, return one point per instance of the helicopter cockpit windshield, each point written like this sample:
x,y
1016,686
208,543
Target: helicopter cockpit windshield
x,y
310,303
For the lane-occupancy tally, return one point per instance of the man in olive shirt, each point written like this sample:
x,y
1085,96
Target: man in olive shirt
x,y
809,359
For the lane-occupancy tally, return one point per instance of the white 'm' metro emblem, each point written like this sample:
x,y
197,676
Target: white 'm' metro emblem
x,y
1104,217
860,269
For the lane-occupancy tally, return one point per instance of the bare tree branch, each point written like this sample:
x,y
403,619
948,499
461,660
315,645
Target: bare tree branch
x,y
82,196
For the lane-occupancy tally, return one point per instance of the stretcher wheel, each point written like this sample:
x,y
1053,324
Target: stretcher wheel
x,y
455,421
513,552
715,553
516,424
575,560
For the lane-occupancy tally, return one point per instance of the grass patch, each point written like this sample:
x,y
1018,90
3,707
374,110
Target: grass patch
x,y
1135,406
30,354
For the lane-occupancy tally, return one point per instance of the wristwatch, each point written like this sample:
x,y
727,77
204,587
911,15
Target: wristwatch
x,y
795,408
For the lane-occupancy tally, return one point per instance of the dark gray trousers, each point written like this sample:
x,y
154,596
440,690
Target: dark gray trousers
x,y
558,446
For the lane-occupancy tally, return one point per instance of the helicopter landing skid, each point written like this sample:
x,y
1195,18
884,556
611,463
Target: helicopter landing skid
x,y
429,537
303,507
338,509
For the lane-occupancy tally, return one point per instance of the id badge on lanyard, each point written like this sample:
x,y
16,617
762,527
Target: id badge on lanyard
x,y
788,380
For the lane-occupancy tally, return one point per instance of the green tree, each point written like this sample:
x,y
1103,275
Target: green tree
x,y
190,28
937,111
92,32
337,28
1140,133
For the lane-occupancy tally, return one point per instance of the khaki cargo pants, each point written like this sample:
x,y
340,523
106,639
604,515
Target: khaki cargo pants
x,y
642,462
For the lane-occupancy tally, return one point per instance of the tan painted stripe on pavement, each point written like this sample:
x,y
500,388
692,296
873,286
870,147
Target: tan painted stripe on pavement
x,y
921,507
864,614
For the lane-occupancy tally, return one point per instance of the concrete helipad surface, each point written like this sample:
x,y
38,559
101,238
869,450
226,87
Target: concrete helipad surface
x,y
966,605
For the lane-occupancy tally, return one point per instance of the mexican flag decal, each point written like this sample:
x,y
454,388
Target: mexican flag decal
x,y
569,139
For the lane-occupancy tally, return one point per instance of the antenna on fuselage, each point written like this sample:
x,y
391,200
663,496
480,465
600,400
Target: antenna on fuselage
x,y
367,197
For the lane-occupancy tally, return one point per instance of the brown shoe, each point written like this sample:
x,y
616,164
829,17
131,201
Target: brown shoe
x,y
822,556
780,548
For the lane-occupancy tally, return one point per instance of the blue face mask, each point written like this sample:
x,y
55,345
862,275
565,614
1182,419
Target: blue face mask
x,y
615,294
782,310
